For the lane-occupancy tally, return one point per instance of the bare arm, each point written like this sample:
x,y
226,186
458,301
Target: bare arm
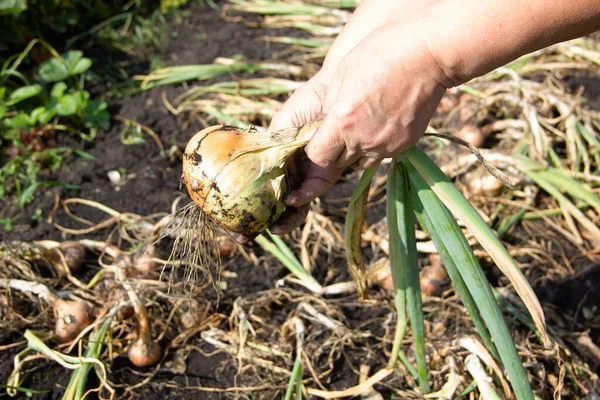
x,y
472,37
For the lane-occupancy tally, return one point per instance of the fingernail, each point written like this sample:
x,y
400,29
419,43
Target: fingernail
x,y
276,230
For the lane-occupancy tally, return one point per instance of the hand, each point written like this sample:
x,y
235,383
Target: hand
x,y
308,180
381,100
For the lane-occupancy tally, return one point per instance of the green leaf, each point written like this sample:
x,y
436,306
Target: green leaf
x,y
94,115
20,121
67,105
462,209
23,93
26,196
8,7
35,114
58,90
454,248
7,224
45,117
404,262
53,70
60,68
81,66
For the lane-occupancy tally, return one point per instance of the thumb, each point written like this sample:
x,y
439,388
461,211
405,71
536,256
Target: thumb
x,y
303,106
327,143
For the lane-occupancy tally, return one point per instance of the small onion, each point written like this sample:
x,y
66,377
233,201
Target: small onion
x,y
472,134
144,262
144,352
72,317
481,183
433,279
73,254
226,245
238,178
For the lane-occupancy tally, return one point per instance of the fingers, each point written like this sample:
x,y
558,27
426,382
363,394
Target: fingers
x,y
327,145
303,106
315,181
291,218
242,239
367,162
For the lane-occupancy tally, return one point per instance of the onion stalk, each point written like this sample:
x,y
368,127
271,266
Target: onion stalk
x,y
239,177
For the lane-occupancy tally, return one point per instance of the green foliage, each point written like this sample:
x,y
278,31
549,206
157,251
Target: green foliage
x,y
166,5
60,68
11,7
34,107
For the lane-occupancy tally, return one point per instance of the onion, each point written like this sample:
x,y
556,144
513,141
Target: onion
x,y
190,314
472,134
72,317
238,177
144,262
144,352
433,279
481,183
226,245
72,254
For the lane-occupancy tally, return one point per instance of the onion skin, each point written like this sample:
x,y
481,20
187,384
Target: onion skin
x,y
238,177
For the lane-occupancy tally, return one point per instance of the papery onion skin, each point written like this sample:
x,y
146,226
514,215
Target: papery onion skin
x,y
238,177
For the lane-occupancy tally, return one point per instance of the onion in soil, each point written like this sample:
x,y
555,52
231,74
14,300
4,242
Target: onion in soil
x,y
72,254
72,317
238,177
472,134
481,183
144,352
433,280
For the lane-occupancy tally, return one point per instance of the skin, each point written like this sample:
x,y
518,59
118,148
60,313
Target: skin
x,y
389,68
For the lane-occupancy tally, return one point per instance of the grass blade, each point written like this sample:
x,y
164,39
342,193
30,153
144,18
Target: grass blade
x,y
355,219
462,209
454,248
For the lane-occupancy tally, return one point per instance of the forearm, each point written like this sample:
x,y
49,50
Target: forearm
x,y
369,16
469,38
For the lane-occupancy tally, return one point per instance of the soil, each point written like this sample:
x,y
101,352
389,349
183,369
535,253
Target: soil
x,y
152,185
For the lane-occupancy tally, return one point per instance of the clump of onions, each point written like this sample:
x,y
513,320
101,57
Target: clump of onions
x,y
239,177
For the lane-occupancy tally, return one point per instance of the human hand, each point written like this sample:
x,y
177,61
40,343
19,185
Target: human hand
x,y
308,180
380,101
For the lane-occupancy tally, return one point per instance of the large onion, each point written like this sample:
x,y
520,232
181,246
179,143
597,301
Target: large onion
x,y
238,177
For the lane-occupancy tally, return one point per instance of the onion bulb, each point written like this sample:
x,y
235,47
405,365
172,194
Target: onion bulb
x,y
481,183
238,177
72,317
70,254
472,134
144,352
433,279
